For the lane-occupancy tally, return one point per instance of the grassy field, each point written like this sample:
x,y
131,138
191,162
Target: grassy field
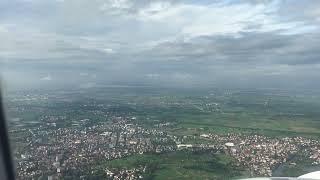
x,y
182,165
248,123
271,115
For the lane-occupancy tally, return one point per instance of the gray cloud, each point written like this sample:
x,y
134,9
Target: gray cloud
x,y
253,48
160,42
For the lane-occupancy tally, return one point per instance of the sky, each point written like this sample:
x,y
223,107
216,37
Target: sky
x,y
191,43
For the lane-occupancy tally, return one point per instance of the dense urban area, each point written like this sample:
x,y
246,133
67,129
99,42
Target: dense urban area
x,y
213,135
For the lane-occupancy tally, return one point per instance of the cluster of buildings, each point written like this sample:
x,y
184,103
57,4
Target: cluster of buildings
x,y
125,174
77,151
263,154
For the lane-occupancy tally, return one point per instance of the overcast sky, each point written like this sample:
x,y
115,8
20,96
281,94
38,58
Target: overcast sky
x,y
240,43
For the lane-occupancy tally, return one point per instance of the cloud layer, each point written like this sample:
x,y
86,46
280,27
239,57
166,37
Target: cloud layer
x,y
209,43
